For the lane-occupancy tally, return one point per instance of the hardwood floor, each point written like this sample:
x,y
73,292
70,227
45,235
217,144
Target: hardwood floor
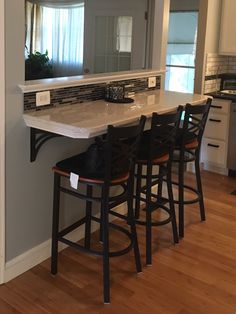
x,y
198,275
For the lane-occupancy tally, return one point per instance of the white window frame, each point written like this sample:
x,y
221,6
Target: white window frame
x,y
2,142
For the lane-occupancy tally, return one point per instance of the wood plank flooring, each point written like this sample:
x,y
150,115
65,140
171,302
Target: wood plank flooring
x,y
198,275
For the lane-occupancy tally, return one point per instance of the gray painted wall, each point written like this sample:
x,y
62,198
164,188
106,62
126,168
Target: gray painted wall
x,y
28,185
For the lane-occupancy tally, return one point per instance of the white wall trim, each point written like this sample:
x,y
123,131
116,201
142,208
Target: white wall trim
x,y
201,47
2,141
61,82
160,33
41,252
34,256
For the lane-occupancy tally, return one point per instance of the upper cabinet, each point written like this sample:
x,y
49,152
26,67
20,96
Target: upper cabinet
x,y
227,43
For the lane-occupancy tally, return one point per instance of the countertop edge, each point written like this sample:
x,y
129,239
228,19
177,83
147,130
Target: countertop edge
x,y
167,101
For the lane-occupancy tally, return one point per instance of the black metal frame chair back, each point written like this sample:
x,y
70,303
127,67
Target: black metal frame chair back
x,y
195,120
161,140
189,145
120,145
163,132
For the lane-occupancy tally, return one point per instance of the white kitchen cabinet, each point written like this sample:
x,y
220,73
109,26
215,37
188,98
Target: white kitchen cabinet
x,y
227,42
215,141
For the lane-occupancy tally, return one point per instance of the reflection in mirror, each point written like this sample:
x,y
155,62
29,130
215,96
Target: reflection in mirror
x,y
74,37
113,43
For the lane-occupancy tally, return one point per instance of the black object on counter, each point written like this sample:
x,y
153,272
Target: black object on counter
x,y
124,100
220,95
115,92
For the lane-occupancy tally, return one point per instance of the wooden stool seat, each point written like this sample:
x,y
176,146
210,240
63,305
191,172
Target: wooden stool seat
x,y
192,145
123,178
156,161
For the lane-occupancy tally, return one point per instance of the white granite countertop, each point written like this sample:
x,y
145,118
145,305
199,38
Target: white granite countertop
x,y
86,120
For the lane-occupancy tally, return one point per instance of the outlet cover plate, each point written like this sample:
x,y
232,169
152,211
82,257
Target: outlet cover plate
x,y
152,82
42,98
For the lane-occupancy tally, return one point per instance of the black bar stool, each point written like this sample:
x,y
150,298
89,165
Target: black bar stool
x,y
117,167
187,149
156,149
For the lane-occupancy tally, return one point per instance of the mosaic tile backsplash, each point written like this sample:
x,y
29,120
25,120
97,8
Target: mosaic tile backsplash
x,y
215,66
79,94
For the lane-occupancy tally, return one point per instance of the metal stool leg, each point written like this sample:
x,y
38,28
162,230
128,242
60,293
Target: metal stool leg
x,y
100,230
55,223
105,237
199,188
87,238
171,203
131,222
181,196
148,217
138,191
160,183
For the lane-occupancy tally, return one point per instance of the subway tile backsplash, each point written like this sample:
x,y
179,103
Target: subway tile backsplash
x,y
79,94
215,66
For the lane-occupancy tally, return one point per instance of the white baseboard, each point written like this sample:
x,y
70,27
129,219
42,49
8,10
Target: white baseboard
x,y
41,252
215,168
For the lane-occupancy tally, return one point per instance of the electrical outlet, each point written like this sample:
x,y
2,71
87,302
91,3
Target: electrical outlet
x,y
152,82
42,98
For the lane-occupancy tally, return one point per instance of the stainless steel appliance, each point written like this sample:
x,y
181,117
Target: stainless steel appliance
x,y
228,90
231,161
228,82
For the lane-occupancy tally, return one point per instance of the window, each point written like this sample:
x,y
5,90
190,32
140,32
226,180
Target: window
x,y
60,32
124,33
181,51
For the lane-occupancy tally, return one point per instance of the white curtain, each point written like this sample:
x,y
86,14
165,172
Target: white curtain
x,y
60,31
63,38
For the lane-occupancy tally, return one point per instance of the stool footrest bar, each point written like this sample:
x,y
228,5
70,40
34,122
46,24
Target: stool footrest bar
x,y
72,227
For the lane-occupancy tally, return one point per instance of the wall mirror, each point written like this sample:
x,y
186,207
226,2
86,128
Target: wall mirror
x,y
74,37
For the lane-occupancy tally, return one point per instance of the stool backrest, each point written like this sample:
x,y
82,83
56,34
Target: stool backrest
x,y
163,132
195,120
121,148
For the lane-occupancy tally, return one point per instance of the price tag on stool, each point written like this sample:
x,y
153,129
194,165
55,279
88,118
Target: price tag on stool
x,y
74,179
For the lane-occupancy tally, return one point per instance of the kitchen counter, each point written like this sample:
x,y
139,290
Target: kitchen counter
x,y
86,120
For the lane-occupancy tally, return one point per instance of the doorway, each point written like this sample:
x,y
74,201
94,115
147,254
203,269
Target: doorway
x,y
2,144
181,51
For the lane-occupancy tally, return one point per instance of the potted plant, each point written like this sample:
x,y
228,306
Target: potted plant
x,y
38,66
